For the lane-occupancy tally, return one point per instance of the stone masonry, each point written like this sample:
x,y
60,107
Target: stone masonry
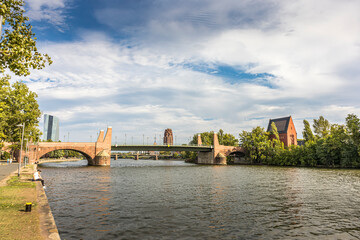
x,y
168,137
97,153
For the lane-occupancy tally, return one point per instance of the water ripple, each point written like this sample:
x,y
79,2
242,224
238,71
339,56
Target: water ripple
x,y
174,200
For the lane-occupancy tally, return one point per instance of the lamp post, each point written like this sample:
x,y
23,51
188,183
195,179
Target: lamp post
x,y
21,144
26,150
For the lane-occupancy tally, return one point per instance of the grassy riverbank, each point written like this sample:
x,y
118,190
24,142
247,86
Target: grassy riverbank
x,y
15,223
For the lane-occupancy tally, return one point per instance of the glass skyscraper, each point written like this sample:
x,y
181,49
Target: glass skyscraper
x,y
51,128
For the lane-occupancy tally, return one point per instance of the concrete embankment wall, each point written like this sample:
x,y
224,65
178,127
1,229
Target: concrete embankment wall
x,y
48,226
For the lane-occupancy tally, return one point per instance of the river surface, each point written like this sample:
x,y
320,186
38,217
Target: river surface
x,y
148,199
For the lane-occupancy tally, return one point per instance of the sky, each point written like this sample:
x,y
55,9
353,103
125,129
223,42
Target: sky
x,y
193,66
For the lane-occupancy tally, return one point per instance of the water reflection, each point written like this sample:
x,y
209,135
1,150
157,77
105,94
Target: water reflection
x,y
174,200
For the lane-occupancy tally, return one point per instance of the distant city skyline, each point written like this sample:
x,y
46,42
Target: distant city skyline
x,y
194,66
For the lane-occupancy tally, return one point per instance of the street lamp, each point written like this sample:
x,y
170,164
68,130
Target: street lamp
x,y
21,144
26,150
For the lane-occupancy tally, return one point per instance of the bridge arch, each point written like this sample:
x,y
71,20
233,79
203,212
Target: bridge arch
x,y
86,155
237,154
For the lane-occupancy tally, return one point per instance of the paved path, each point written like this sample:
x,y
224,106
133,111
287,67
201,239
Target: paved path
x,y
7,169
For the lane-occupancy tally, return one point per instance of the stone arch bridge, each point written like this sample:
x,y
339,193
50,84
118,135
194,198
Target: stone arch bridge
x,y
99,153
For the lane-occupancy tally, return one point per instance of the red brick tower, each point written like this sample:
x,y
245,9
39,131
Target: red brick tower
x,y
168,137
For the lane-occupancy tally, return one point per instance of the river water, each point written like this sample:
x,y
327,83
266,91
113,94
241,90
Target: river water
x,y
148,199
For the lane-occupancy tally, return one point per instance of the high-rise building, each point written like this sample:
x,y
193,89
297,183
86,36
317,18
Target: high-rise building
x,y
51,128
168,137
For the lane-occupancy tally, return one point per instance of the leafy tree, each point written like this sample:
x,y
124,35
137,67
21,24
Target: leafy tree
x,y
4,108
227,139
307,133
353,128
20,107
18,54
189,156
321,127
18,51
256,143
276,147
207,138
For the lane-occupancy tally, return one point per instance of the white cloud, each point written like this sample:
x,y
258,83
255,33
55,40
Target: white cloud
x,y
53,11
140,87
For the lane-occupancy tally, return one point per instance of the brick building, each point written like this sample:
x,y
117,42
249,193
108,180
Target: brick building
x,y
168,137
286,130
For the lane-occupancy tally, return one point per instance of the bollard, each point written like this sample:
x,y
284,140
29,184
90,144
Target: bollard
x,y
28,207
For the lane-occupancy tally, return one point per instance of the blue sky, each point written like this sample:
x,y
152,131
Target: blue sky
x,y
194,66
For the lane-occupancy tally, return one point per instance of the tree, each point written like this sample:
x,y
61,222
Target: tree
x,y
20,107
353,128
4,108
276,147
321,127
207,138
227,139
18,51
256,143
307,133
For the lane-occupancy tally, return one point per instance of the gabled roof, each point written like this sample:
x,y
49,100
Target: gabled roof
x,y
282,124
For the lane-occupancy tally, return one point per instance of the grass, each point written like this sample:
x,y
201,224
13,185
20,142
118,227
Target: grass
x,y
15,223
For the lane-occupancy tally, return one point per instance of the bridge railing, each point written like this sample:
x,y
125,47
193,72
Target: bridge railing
x,y
175,145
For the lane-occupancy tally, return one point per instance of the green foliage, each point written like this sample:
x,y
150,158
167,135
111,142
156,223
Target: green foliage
x,y
18,51
307,133
19,106
353,128
207,139
335,145
18,54
63,154
189,156
227,139
257,144
5,155
4,107
321,127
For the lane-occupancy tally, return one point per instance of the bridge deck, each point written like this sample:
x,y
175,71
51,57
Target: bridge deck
x,y
161,148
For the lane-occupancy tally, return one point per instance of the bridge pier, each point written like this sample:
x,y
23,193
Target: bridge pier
x,y
216,156
103,149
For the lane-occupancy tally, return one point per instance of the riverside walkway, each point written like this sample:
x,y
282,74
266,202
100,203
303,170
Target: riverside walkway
x,y
7,169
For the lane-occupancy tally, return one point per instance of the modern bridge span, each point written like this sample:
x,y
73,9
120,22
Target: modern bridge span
x,y
99,153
